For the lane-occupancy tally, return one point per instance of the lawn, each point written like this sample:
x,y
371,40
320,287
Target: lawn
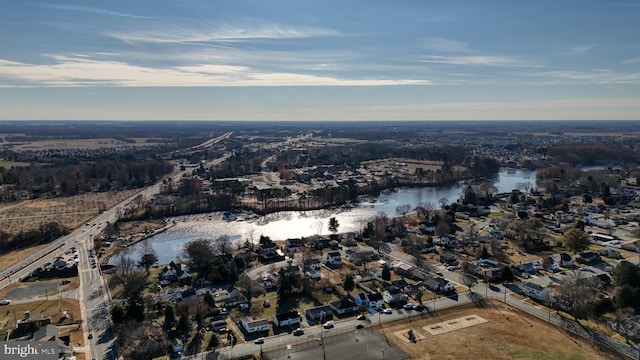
x,y
508,334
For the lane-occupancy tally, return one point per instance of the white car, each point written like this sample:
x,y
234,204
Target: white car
x,y
328,324
408,306
387,311
5,302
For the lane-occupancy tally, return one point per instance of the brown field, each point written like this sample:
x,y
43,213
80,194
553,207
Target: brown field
x,y
70,211
507,334
68,144
10,313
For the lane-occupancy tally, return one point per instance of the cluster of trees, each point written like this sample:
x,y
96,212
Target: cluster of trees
x,y
42,235
627,277
73,178
211,261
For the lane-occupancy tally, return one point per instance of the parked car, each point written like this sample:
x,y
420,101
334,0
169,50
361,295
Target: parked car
x,y
5,302
298,332
328,324
408,306
361,317
387,311
420,308
90,336
359,325
259,341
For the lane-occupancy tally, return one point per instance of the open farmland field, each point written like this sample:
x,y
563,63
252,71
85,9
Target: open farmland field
x,y
506,334
70,211
69,144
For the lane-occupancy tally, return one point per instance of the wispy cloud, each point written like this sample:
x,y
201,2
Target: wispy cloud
x,y
478,60
68,71
596,76
446,45
581,49
631,61
94,10
218,33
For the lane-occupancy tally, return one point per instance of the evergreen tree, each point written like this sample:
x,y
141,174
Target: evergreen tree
x,y
348,284
386,273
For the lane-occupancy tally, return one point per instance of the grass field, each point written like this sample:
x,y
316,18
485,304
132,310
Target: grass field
x,y
507,334
8,164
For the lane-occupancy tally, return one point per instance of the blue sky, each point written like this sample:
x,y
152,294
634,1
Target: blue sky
x,y
320,60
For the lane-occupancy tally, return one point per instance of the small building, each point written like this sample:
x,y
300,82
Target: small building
x,y
375,300
290,318
588,257
293,245
394,295
344,306
333,258
319,314
566,260
268,249
251,325
535,291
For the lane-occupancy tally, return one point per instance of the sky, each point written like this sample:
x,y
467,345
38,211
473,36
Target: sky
x,y
298,60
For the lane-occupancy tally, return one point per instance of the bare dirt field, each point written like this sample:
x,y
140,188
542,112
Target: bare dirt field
x,y
71,211
506,334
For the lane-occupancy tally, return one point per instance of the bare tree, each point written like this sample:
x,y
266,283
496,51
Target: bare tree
x,y
223,245
443,202
425,210
403,210
525,187
576,293
127,273
148,255
249,287
468,279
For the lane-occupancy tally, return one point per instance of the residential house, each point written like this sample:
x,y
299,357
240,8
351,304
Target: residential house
x,y
588,257
267,249
535,291
448,258
319,314
333,258
394,295
291,318
252,325
528,268
375,300
219,325
553,264
177,345
344,306
293,245
361,299
439,285
566,260
235,298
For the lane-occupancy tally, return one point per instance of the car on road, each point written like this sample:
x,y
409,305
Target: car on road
x,y
420,308
5,302
387,311
259,341
359,325
408,306
361,317
90,336
298,332
328,324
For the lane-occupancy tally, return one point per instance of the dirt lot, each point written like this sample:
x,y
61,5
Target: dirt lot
x,y
507,334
